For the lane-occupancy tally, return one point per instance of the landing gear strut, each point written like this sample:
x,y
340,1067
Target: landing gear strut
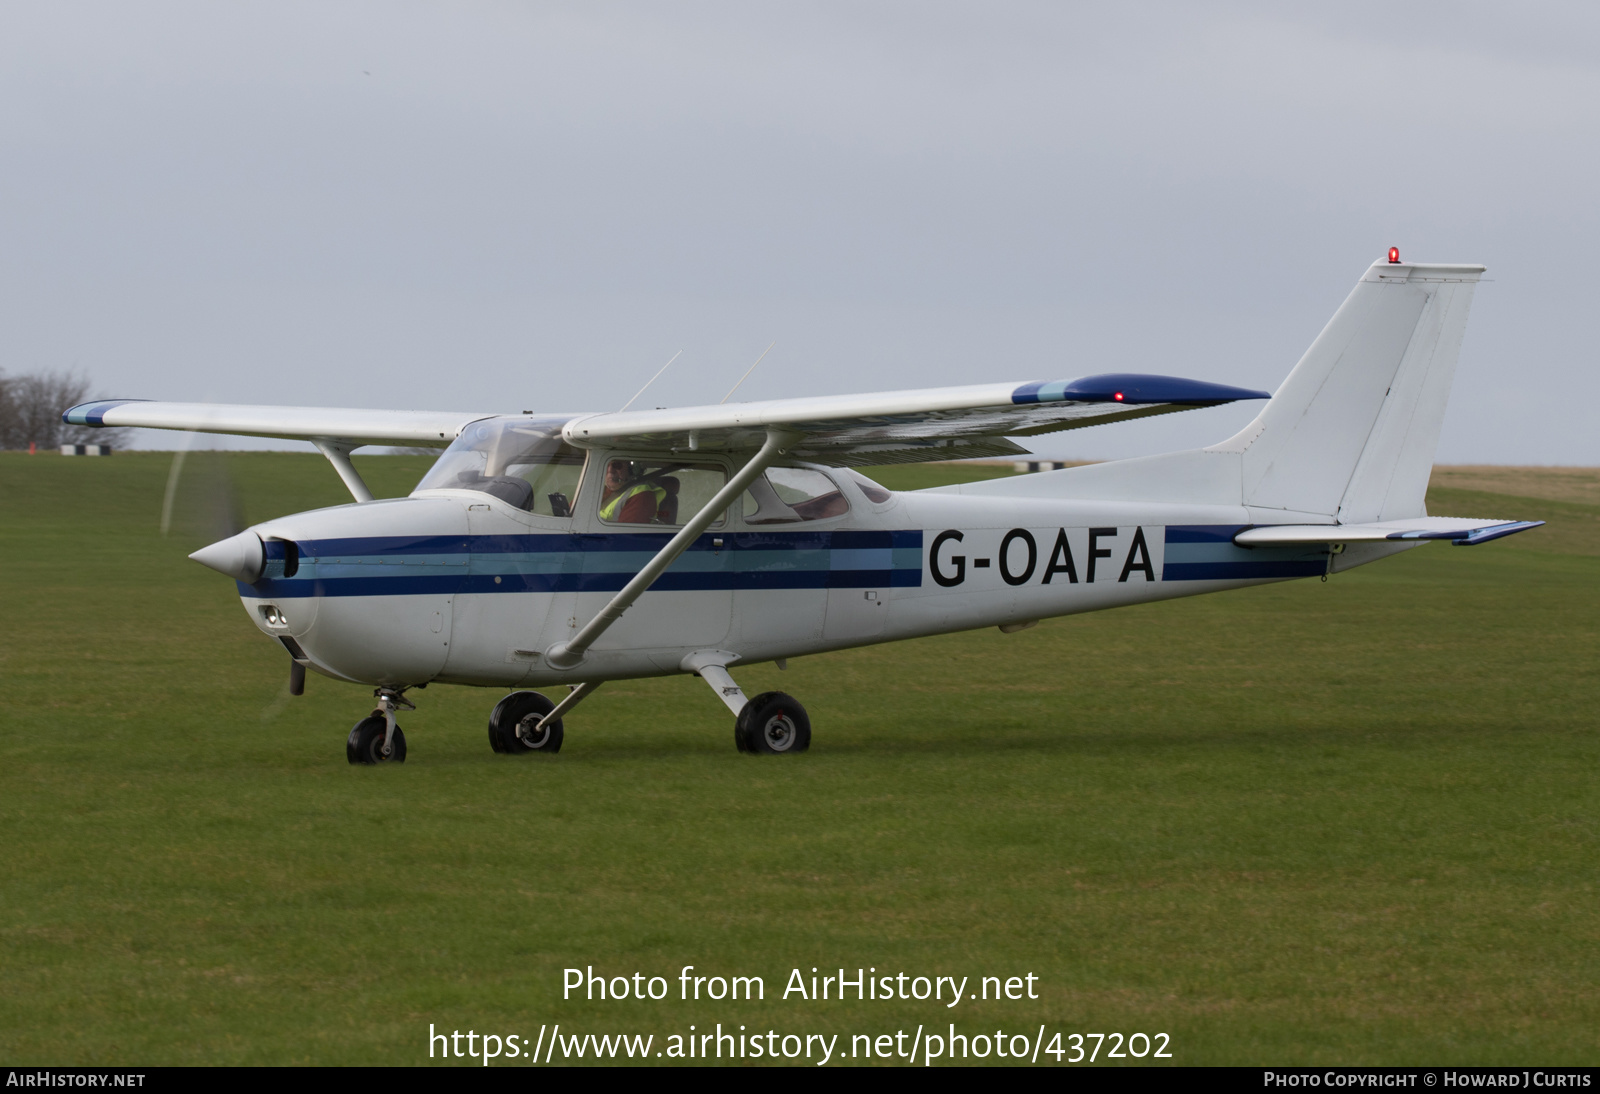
x,y
377,739
771,724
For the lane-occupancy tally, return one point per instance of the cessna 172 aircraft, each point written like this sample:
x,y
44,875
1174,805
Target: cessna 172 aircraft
x,y
573,549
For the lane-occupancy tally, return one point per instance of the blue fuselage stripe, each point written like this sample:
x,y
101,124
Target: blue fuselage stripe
x,y
420,565
1206,552
557,563
1236,571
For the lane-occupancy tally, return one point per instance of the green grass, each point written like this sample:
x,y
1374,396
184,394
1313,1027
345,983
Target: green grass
x,y
1352,822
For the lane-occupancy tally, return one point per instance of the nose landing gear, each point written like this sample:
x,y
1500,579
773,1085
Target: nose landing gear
x,y
377,738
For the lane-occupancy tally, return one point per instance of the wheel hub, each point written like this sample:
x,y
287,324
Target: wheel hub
x,y
527,731
779,732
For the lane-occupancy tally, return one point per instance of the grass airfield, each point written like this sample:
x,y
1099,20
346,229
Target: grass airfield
x,y
1351,822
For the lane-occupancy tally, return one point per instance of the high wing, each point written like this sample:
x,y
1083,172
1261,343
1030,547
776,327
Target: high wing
x,y
436,428
1460,531
840,430
905,426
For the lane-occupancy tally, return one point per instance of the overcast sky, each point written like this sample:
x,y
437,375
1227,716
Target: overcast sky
x,y
498,206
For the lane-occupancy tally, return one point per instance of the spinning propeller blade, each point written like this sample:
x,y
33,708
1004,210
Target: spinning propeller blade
x,y
200,498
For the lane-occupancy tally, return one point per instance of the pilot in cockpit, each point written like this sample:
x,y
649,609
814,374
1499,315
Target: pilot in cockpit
x,y
628,499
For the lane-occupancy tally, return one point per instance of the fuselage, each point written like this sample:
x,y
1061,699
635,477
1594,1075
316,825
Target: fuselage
x,y
461,586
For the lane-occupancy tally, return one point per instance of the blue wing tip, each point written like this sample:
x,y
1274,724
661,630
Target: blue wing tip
x,y
93,413
1134,389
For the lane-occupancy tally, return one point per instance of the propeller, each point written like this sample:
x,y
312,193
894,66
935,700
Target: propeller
x,y
202,502
200,499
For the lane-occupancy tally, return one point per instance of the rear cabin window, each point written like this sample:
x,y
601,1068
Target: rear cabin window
x,y
874,493
790,495
653,492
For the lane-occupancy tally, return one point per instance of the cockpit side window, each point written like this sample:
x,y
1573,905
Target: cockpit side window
x,y
522,461
791,495
654,492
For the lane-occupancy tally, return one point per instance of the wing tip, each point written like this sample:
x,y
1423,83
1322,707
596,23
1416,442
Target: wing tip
x,y
93,412
1134,389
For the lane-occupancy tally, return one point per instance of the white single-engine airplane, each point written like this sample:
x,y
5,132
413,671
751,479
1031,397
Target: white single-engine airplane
x,y
573,549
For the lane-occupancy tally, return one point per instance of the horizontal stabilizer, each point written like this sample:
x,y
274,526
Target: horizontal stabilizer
x,y
1461,531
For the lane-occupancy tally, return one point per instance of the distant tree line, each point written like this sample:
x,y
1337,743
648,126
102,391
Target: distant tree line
x,y
30,412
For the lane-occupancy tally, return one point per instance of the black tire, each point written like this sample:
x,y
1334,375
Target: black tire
x,y
511,725
365,745
772,723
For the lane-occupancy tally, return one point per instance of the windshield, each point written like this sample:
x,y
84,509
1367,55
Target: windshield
x,y
521,461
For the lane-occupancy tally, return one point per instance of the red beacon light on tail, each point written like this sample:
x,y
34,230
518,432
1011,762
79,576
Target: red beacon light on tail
x,y
1394,254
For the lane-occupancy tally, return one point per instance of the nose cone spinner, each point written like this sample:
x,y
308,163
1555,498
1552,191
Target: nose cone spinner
x,y
241,557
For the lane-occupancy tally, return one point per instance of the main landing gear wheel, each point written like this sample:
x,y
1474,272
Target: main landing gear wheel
x,y
512,725
772,723
365,745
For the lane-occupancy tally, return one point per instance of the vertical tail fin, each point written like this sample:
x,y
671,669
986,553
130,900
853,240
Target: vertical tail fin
x,y
1353,429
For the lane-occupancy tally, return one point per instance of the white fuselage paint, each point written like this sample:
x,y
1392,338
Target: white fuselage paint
x,y
456,586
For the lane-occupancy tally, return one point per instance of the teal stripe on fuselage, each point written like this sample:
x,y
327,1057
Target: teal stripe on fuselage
x,y
604,562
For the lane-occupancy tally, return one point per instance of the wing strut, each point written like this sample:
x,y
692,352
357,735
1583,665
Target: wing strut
x,y
339,455
569,654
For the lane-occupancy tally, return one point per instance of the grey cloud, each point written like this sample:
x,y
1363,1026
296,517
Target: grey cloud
x,y
536,205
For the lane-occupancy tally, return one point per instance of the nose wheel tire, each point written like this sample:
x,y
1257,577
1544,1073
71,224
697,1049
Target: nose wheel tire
x,y
772,723
512,725
365,745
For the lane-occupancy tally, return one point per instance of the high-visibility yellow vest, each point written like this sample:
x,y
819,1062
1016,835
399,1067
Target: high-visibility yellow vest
x,y
612,509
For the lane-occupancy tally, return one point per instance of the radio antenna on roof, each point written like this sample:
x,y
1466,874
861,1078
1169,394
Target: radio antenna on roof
x,y
747,373
650,381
